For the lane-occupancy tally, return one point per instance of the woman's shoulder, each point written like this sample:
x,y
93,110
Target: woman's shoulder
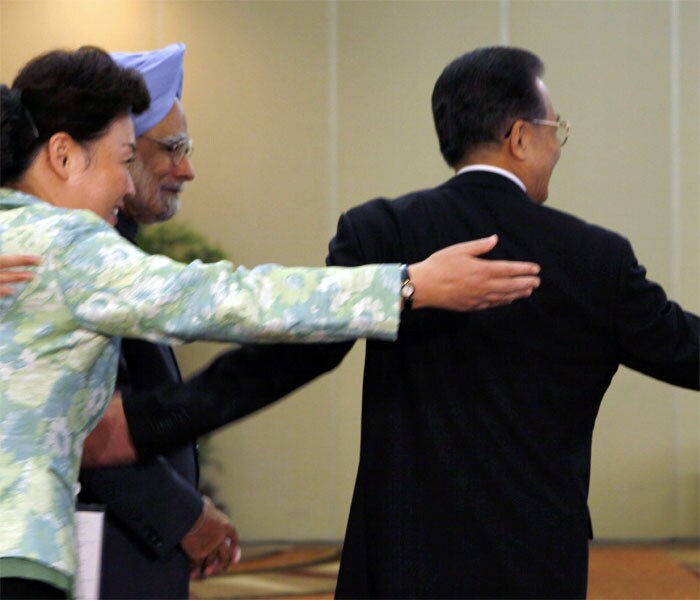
x,y
20,206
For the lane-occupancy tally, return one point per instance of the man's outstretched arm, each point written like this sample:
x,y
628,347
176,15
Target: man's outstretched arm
x,y
234,385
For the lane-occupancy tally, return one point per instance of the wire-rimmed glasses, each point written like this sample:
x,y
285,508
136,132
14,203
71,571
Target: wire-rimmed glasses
x,y
563,127
177,149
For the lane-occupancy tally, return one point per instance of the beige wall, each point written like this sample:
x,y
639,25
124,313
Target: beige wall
x,y
302,109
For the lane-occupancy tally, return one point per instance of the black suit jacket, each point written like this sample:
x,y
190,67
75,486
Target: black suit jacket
x,y
152,504
476,427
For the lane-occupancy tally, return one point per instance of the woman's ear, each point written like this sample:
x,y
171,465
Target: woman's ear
x,y
63,154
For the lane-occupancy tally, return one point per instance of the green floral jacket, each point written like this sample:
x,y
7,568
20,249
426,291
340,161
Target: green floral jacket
x,y
59,339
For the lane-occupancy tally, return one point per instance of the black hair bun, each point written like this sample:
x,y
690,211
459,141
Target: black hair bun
x,y
17,134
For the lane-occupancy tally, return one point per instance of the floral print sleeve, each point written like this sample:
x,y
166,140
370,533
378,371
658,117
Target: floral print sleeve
x,y
59,347
114,288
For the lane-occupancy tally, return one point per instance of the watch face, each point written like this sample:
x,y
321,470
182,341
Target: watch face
x,y
407,290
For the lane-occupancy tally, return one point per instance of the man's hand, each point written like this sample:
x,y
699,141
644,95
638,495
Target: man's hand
x,y
12,261
110,442
212,542
455,279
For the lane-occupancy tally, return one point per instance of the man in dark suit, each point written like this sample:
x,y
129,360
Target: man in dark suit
x,y
158,526
476,427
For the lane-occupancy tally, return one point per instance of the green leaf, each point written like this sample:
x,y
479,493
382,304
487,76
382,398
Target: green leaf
x,y
178,242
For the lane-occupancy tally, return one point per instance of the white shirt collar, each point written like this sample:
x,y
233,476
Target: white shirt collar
x,y
493,169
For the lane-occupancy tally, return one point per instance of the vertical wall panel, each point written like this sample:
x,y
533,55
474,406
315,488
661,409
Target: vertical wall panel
x,y
257,100
687,484
608,67
390,55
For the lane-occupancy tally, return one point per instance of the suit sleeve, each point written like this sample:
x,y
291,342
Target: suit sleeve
x,y
237,383
656,336
367,234
150,499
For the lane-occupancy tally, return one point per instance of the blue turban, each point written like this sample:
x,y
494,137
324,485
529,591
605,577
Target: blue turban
x,y
163,71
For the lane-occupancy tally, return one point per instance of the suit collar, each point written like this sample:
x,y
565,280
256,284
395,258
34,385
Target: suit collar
x,y
126,227
493,169
490,180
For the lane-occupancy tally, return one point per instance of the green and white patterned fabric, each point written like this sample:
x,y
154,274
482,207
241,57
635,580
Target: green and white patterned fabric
x,y
59,345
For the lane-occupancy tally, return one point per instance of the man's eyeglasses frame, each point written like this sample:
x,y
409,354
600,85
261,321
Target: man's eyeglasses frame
x,y
563,127
177,150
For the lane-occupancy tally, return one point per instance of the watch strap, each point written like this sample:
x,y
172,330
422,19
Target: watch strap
x,y
407,288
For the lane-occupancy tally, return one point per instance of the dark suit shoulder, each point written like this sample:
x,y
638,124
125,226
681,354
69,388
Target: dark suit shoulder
x,y
475,205
569,223
382,225
383,206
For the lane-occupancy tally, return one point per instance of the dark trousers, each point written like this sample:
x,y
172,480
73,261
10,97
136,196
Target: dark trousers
x,y
18,588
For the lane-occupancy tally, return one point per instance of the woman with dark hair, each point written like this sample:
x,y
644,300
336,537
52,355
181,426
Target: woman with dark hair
x,y
67,140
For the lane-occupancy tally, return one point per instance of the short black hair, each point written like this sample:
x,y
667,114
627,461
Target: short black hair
x,y
479,95
80,92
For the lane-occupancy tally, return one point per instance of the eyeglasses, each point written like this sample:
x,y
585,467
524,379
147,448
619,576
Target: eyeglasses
x,y
563,127
177,149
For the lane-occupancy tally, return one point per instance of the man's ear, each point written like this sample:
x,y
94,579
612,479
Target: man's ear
x,y
519,140
63,154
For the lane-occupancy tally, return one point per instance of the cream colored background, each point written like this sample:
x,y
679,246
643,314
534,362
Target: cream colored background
x,y
300,110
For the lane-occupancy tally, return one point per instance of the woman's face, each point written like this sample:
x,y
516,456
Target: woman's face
x,y
104,181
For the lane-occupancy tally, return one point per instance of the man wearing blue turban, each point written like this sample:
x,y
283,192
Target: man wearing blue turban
x,y
157,525
163,71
